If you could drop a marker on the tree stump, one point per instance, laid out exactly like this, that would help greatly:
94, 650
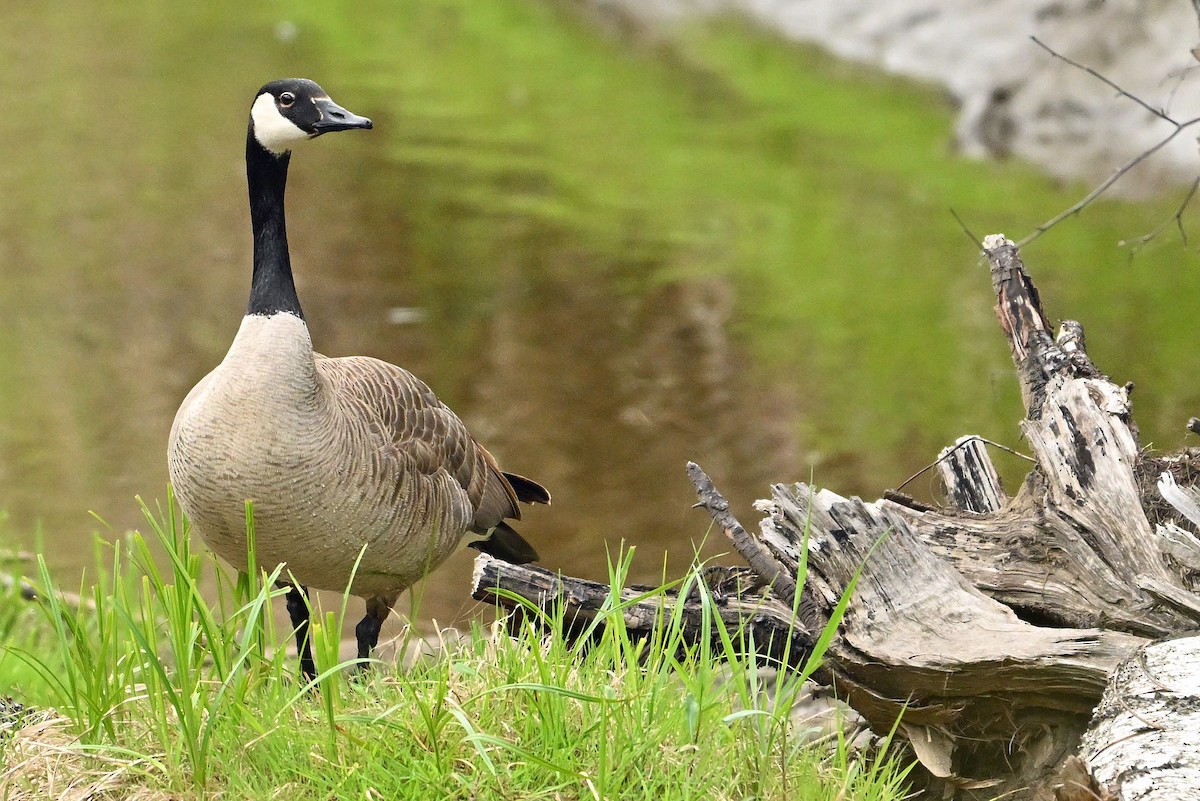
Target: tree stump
992, 627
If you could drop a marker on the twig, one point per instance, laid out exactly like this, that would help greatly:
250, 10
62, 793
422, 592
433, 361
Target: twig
1176, 218
753, 551
1127, 166
772, 629
1155, 111
1103, 187
950, 453
976, 241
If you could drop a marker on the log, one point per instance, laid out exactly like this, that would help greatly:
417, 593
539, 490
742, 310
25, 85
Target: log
992, 626
970, 478
764, 625
989, 702
1142, 744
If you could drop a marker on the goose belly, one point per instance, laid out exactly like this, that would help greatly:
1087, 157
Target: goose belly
316, 505
319, 538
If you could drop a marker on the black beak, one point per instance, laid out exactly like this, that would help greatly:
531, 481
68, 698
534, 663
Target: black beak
336, 118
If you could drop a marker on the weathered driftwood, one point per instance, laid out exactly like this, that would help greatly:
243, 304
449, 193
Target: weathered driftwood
762, 623
990, 703
1142, 744
996, 623
970, 478
992, 626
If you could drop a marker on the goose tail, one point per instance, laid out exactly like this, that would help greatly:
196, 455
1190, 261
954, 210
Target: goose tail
527, 490
505, 543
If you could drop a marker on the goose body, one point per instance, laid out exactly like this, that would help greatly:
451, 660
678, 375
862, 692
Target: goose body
340, 456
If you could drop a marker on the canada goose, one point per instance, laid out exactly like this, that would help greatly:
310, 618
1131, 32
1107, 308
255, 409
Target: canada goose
339, 456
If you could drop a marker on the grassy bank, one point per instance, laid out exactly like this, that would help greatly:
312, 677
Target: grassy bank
142, 688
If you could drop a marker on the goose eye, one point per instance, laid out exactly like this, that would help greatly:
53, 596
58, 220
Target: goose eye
287, 99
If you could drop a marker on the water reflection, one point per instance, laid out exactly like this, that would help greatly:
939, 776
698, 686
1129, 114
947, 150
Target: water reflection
599, 393
635, 262
125, 269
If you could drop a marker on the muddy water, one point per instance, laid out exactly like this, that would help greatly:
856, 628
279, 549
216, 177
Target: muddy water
124, 265
599, 370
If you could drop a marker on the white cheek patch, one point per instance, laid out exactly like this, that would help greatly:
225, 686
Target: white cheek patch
274, 131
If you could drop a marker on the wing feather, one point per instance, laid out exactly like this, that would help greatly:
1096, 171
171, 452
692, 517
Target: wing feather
416, 429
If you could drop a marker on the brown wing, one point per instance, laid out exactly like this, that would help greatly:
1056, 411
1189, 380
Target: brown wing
409, 417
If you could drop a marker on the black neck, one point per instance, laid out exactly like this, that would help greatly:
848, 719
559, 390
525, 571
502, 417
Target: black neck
272, 288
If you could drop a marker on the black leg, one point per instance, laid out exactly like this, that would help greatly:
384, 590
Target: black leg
298, 610
367, 630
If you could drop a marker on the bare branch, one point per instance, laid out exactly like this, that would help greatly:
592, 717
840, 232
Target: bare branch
950, 452
1156, 112
1103, 187
976, 241
1176, 218
1127, 166
755, 554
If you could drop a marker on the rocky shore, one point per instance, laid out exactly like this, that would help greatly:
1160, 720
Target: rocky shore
1015, 99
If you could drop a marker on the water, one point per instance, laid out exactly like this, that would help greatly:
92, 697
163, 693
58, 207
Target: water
607, 256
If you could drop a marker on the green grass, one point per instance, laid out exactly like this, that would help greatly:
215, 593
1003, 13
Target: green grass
166, 693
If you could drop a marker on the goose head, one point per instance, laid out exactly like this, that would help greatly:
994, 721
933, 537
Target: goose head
293, 110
